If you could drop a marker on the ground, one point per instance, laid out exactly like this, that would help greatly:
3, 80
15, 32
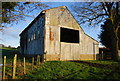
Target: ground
73, 70
85, 70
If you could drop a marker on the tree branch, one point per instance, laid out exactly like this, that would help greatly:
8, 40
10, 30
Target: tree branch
103, 5
97, 16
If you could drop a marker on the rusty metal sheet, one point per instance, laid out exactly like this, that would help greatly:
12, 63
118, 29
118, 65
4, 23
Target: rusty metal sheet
51, 34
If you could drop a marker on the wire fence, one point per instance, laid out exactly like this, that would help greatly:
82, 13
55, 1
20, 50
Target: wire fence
21, 65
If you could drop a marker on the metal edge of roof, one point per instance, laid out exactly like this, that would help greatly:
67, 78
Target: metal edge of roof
38, 17
91, 37
30, 24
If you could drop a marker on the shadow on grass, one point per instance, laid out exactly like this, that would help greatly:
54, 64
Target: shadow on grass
105, 66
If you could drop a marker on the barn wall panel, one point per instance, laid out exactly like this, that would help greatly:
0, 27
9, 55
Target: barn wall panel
35, 45
47, 40
65, 51
75, 51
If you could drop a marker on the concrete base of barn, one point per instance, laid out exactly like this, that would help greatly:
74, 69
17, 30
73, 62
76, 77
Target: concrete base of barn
87, 57
57, 57
50, 57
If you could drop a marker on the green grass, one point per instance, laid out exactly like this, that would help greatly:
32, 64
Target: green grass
70, 70
106, 62
8, 48
9, 53
64, 70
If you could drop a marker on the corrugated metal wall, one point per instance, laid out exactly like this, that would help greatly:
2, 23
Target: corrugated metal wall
61, 17
33, 38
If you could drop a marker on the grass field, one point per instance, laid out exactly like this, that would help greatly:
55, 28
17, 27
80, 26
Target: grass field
9, 53
102, 62
71, 70
85, 70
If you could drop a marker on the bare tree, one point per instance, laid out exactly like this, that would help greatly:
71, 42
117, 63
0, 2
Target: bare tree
13, 12
95, 13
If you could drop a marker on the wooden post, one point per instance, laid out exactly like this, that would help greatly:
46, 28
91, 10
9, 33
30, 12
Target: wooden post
14, 66
44, 56
32, 62
4, 67
38, 59
24, 66
102, 55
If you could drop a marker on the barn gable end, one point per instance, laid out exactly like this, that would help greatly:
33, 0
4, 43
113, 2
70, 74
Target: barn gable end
61, 16
56, 19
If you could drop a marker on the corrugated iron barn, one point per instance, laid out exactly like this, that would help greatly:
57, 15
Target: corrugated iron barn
57, 33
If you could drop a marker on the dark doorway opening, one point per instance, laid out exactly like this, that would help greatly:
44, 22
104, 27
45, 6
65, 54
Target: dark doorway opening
69, 35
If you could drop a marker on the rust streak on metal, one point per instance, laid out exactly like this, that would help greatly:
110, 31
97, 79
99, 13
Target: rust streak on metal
51, 35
